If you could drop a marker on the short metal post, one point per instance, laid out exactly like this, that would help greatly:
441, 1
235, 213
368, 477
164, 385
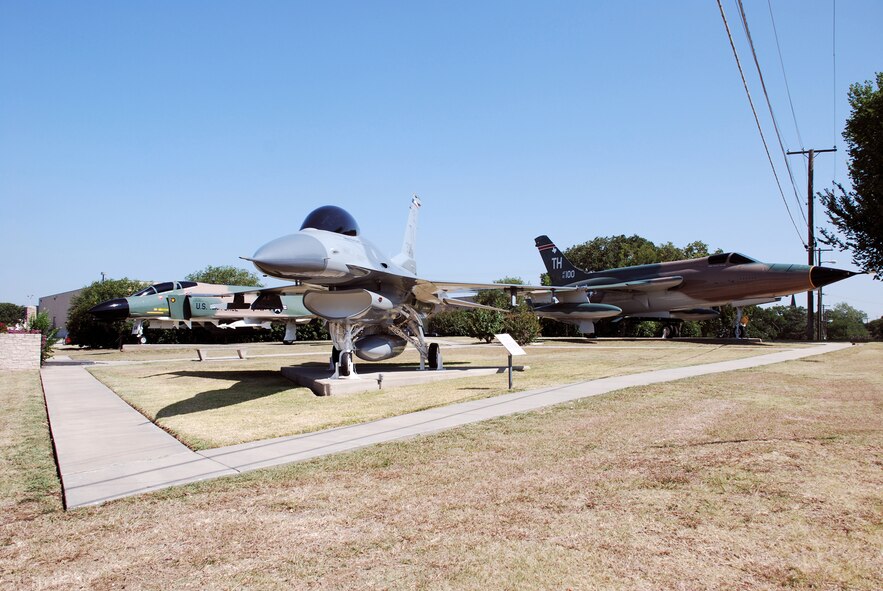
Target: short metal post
510, 371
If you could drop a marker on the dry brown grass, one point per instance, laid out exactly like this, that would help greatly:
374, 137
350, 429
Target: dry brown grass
29, 482
212, 404
761, 479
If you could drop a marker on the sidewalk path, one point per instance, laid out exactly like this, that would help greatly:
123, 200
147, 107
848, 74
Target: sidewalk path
107, 450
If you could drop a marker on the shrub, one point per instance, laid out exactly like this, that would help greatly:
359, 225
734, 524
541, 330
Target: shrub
450, 323
40, 323
522, 324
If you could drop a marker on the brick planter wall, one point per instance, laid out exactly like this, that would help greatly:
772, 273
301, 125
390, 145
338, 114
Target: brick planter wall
20, 351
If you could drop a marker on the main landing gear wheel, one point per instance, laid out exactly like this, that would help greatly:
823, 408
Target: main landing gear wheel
335, 357
142, 339
346, 364
435, 357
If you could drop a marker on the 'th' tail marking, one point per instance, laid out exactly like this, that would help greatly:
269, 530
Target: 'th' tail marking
561, 271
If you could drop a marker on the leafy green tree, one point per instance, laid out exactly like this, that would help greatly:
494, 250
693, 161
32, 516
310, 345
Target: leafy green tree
84, 329
612, 252
609, 252
225, 275
858, 215
553, 328
789, 322
11, 314
875, 329
845, 323
40, 321
314, 330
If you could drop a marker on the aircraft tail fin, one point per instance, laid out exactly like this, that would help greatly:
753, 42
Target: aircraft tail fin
561, 271
406, 258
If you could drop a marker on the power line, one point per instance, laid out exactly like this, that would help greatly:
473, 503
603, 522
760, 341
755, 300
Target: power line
833, 79
784, 76
757, 121
770, 107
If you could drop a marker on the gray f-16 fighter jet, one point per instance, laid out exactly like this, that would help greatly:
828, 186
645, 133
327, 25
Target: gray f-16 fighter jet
679, 290
182, 303
374, 305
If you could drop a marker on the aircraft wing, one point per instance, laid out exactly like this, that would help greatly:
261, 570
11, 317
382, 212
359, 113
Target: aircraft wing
652, 284
292, 289
436, 292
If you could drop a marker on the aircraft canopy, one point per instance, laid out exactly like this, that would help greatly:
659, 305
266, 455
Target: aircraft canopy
733, 258
331, 219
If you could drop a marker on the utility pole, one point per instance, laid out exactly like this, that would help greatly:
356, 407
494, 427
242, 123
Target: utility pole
820, 316
810, 236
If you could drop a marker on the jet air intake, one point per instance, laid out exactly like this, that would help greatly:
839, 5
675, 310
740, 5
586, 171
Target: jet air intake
349, 304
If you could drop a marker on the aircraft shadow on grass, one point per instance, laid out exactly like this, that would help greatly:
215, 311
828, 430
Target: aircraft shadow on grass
250, 385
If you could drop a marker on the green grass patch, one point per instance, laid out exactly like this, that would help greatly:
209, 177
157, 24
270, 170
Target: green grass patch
218, 403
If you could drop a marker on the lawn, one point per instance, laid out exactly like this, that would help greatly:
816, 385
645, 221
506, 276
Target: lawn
760, 479
217, 403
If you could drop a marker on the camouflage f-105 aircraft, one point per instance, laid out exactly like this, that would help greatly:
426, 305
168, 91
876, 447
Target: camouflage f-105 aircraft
173, 304
676, 290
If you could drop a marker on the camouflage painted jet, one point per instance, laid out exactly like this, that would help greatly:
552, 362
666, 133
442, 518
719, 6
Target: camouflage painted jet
374, 305
176, 303
676, 290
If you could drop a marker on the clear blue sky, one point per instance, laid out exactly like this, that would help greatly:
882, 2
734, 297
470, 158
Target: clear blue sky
150, 139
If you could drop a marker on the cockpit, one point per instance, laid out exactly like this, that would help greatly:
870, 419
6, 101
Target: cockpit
730, 258
331, 219
164, 287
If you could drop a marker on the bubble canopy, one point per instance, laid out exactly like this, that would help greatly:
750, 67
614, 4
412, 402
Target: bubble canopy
331, 219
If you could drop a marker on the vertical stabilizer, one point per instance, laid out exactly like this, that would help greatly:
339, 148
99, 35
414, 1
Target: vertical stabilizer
406, 259
561, 271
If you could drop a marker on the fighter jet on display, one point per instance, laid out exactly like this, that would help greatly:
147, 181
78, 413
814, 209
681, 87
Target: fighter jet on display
176, 303
374, 305
679, 290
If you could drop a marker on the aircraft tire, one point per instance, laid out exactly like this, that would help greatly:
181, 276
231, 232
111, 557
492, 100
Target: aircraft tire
346, 364
435, 357
142, 339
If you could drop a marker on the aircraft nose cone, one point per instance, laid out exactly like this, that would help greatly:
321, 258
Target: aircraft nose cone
821, 276
116, 309
294, 256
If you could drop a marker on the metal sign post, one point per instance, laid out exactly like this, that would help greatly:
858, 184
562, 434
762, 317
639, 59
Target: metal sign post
512, 348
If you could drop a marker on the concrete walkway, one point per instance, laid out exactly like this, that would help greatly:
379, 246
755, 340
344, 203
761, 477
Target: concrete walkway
107, 450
